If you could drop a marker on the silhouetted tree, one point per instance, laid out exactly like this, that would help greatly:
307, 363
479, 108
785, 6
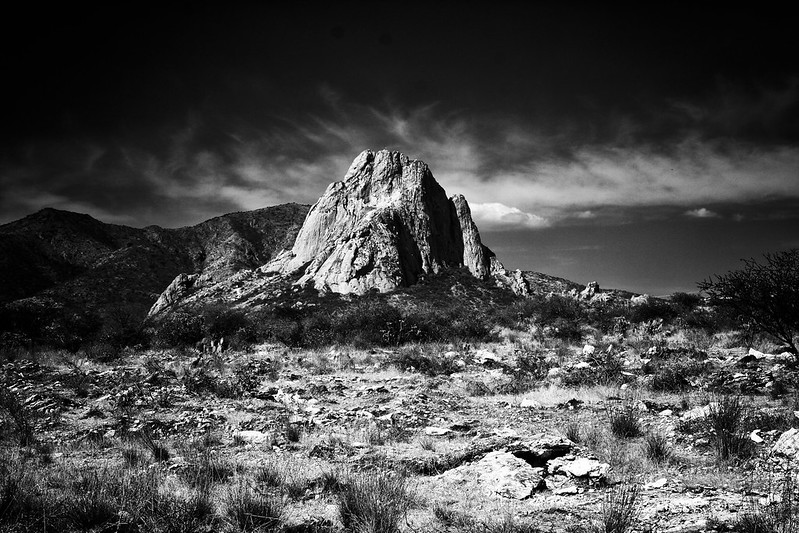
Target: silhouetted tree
765, 296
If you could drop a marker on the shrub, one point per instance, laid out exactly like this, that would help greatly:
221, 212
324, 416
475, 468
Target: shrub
22, 419
251, 510
178, 329
671, 376
94, 499
330, 482
653, 309
204, 468
619, 510
725, 420
373, 502
572, 432
156, 449
508, 524
764, 295
623, 418
427, 443
533, 365
657, 447
21, 502
780, 514
685, 302
292, 432
418, 358
219, 320
170, 513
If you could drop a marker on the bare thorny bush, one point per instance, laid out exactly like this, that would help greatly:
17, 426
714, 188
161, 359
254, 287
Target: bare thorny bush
778, 512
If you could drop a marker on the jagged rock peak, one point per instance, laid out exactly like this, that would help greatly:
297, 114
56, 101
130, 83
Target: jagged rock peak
387, 223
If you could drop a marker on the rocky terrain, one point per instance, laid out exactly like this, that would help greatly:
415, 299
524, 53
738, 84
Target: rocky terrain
511, 434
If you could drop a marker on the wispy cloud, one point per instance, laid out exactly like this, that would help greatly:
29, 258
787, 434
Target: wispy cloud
513, 174
702, 212
500, 216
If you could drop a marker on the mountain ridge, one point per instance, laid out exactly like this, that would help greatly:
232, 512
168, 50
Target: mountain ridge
77, 260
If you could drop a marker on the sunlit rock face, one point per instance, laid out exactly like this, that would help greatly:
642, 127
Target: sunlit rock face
385, 225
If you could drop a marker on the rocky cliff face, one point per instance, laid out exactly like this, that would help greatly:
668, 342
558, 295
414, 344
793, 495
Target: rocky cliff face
385, 225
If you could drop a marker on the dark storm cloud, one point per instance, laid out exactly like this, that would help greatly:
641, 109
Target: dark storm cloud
540, 116
516, 175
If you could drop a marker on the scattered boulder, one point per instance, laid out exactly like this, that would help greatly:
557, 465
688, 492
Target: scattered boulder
484, 357
542, 448
529, 403
590, 290
579, 467
787, 445
521, 468
507, 475
253, 437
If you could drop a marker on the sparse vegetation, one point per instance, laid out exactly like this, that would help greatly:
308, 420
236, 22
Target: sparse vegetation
620, 510
253, 438
657, 447
15, 419
373, 502
725, 420
250, 510
764, 296
623, 417
572, 432
777, 513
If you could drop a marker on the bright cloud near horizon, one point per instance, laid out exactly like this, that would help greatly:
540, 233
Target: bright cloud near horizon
572, 143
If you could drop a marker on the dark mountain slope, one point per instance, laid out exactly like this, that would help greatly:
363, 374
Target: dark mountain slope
83, 263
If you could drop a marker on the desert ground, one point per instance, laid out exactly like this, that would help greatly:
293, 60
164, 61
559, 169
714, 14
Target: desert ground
652, 429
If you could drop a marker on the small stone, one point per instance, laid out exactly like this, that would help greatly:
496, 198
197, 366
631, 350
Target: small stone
566, 491
584, 467
755, 437
657, 484
529, 403
434, 431
252, 436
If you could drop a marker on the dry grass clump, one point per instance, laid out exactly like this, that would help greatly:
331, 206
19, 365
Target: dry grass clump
572, 432
22, 421
455, 521
657, 448
779, 513
427, 443
623, 419
620, 510
282, 476
204, 468
373, 502
725, 420
249, 509
101, 499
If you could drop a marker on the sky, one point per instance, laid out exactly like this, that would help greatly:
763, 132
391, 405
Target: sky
645, 148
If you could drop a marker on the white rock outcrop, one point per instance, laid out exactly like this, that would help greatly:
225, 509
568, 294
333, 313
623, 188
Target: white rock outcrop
384, 226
